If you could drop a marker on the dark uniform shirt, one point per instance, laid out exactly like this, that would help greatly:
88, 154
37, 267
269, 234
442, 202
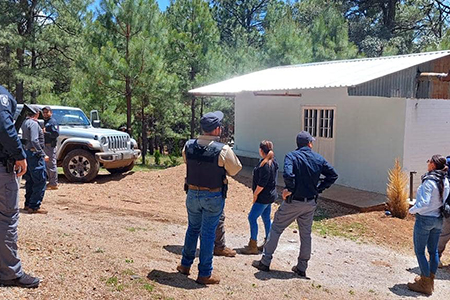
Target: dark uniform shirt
51, 131
266, 177
10, 145
34, 136
302, 170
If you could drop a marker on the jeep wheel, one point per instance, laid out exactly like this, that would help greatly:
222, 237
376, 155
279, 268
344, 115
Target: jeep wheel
122, 169
80, 165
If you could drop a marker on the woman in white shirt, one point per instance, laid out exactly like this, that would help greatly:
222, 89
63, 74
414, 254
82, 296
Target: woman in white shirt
427, 228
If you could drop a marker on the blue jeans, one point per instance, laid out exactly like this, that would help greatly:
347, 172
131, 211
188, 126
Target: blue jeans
204, 210
36, 180
263, 210
426, 234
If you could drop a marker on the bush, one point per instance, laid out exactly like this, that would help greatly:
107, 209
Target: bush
157, 157
173, 161
397, 192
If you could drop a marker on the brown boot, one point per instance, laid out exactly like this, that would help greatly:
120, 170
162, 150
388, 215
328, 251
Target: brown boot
212, 279
183, 270
261, 248
227, 252
251, 248
432, 276
423, 285
37, 211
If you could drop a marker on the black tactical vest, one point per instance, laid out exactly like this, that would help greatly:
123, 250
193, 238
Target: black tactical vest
202, 164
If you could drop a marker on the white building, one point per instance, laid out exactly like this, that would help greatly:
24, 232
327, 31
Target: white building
364, 113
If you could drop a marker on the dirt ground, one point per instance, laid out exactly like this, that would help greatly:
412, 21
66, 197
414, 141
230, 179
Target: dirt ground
121, 236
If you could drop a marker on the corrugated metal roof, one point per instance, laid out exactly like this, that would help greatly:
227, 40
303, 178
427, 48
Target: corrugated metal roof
340, 73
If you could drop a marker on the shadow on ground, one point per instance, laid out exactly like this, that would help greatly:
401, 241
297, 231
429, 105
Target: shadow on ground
441, 274
274, 274
401, 289
174, 279
100, 179
177, 249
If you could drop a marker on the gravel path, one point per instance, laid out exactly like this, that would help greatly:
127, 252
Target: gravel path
122, 240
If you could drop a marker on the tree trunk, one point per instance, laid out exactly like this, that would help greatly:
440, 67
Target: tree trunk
128, 91
144, 136
19, 83
34, 93
192, 116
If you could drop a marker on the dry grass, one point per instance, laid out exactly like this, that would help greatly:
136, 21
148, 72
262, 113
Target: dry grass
397, 191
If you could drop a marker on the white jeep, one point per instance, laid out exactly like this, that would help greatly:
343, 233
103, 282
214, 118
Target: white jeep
82, 147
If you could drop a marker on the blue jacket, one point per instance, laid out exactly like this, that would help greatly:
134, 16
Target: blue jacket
302, 170
10, 145
51, 131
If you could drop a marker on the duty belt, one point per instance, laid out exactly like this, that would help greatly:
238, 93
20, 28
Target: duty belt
201, 188
305, 199
31, 149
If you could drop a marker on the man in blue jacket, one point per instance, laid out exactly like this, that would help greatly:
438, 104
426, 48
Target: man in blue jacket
302, 170
12, 165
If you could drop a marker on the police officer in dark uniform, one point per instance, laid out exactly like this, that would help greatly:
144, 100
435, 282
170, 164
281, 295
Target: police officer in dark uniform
302, 170
51, 133
36, 175
208, 162
12, 165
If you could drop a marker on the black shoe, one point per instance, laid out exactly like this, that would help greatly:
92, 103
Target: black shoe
260, 266
25, 281
299, 273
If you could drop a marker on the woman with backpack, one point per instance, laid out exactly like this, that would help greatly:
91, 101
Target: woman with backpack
430, 197
264, 194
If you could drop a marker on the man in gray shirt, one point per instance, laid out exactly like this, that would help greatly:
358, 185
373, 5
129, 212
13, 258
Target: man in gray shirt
36, 175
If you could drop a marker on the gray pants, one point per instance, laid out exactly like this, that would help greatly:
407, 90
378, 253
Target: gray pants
219, 242
52, 170
10, 266
444, 237
303, 212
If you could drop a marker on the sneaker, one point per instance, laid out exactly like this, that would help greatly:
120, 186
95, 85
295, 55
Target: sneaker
212, 279
227, 252
183, 270
298, 272
52, 187
25, 281
37, 211
260, 266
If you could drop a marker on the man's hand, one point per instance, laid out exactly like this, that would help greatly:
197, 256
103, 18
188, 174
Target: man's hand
20, 167
255, 197
285, 194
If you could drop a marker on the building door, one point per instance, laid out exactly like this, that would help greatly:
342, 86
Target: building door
319, 122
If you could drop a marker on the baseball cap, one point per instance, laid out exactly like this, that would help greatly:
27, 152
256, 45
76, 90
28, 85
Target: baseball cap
47, 108
35, 109
303, 138
211, 121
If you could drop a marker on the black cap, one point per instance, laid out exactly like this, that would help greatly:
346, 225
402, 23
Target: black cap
211, 121
47, 108
35, 109
304, 138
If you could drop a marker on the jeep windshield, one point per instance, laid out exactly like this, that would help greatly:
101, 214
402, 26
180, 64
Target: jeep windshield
70, 117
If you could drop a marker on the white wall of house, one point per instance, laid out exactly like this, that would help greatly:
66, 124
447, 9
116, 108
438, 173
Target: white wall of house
368, 131
427, 133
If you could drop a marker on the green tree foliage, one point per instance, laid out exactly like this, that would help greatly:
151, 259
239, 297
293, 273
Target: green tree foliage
286, 43
193, 48
38, 40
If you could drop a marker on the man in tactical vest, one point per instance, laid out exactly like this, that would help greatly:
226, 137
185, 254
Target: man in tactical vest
12, 165
208, 162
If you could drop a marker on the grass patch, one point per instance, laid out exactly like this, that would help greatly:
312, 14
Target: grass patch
329, 227
166, 161
148, 287
112, 281
99, 250
134, 229
129, 260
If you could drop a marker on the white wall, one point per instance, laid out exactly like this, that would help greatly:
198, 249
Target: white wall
427, 133
369, 131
